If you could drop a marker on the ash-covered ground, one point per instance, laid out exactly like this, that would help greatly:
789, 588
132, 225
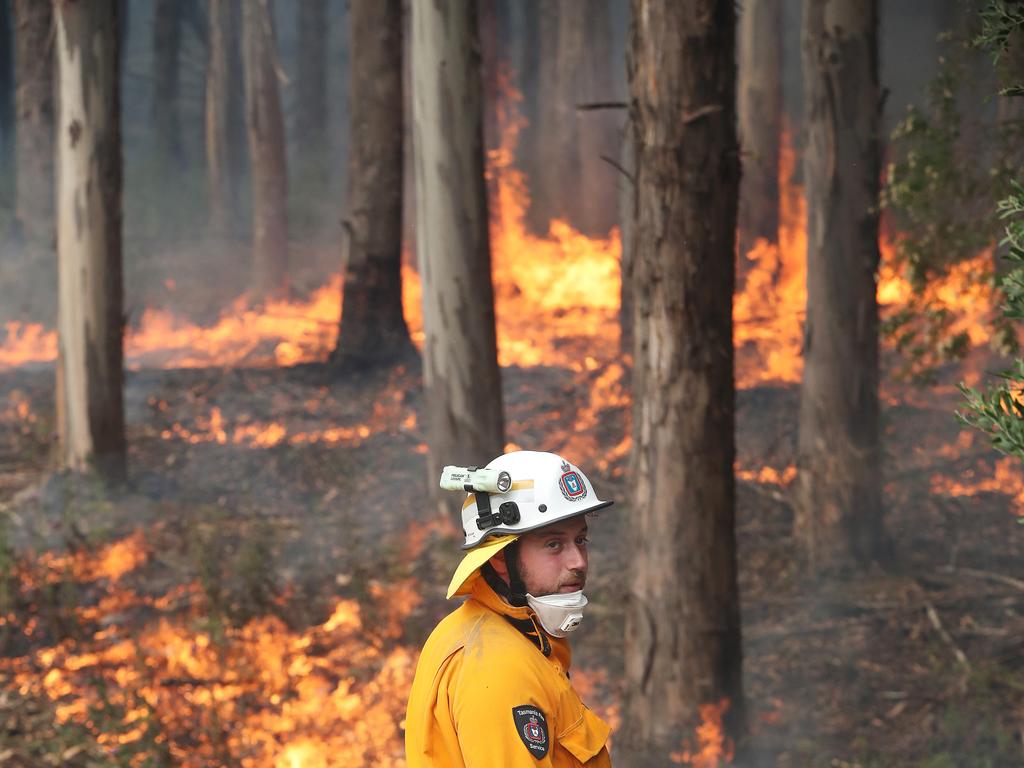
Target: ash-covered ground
283, 491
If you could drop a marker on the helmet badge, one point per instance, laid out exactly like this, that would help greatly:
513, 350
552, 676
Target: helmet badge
571, 484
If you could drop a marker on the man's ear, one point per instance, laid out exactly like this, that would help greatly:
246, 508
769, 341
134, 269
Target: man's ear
499, 565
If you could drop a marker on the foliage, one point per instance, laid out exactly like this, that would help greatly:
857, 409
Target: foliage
999, 410
941, 195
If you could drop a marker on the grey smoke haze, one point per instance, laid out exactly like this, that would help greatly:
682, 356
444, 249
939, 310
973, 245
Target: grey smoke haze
164, 221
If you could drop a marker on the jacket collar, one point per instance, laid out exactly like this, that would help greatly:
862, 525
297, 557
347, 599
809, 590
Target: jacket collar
523, 619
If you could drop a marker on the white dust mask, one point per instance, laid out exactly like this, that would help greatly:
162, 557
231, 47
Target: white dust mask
559, 613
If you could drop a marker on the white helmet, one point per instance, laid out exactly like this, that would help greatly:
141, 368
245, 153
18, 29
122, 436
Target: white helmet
544, 488
539, 489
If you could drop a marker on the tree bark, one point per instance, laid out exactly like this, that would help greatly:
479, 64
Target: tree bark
6, 84
461, 375
266, 151
570, 180
838, 516
311, 82
759, 87
373, 329
33, 69
683, 645
166, 122
627, 217
592, 197
224, 116
524, 58
90, 410
545, 165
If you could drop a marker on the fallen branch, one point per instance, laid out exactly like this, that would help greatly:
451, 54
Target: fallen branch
933, 617
988, 576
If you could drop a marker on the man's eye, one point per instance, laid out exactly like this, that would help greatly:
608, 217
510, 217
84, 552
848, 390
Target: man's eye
582, 541
555, 545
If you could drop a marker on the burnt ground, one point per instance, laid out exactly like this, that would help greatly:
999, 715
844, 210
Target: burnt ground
918, 665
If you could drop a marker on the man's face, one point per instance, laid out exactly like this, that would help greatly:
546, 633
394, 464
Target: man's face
551, 559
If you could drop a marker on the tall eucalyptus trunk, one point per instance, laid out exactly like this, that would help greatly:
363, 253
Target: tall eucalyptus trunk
759, 107
838, 506
311, 82
90, 403
33, 150
225, 152
373, 329
265, 126
461, 375
6, 84
683, 644
165, 106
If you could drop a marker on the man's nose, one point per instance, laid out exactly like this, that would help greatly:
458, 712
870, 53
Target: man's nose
577, 558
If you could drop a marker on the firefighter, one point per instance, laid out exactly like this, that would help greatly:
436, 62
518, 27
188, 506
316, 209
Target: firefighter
492, 684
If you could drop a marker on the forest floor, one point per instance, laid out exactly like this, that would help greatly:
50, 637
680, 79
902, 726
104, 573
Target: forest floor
274, 495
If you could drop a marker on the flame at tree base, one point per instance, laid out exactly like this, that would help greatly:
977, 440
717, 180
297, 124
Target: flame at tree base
713, 749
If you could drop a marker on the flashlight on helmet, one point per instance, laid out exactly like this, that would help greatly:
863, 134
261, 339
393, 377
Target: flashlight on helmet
473, 480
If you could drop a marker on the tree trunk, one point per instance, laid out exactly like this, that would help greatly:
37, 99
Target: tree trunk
490, 61
33, 71
461, 375
592, 198
759, 87
683, 648
90, 410
373, 329
627, 217
524, 59
838, 514
311, 82
571, 181
224, 116
166, 123
6, 86
545, 163
266, 151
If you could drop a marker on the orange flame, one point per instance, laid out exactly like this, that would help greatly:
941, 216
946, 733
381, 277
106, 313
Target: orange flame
713, 748
262, 693
1006, 478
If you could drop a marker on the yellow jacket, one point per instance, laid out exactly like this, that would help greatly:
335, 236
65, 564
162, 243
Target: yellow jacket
485, 695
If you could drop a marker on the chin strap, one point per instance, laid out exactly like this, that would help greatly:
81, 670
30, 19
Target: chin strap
515, 594
515, 591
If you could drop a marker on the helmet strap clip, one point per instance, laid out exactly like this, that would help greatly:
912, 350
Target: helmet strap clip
507, 514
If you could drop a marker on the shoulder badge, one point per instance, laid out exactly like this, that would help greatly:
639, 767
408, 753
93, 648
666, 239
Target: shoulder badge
532, 727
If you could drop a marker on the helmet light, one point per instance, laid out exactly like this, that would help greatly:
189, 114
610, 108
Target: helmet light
475, 480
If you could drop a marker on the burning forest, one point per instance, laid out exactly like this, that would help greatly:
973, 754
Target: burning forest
253, 581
